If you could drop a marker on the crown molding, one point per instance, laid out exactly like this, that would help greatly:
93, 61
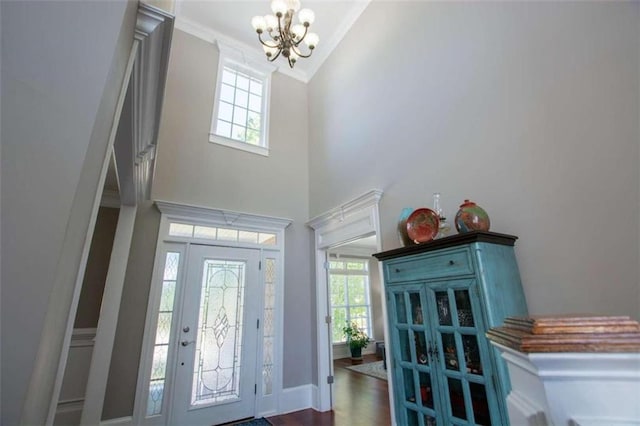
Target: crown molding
368, 199
250, 52
221, 216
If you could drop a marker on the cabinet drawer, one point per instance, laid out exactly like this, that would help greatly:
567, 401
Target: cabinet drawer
443, 264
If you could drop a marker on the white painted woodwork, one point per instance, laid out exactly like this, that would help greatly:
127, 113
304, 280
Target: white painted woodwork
42, 397
183, 412
581, 389
71, 398
348, 222
108, 321
135, 150
198, 215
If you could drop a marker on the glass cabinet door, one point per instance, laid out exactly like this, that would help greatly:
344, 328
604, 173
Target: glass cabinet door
416, 390
465, 376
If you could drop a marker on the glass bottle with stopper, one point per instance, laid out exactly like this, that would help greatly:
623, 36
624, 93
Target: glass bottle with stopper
444, 229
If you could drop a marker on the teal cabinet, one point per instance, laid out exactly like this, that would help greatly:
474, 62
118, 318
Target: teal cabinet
442, 297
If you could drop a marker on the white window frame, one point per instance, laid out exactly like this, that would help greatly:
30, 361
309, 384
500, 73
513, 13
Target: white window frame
236, 59
348, 272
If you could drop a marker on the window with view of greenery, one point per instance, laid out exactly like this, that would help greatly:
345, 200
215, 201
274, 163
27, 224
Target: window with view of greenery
350, 301
240, 116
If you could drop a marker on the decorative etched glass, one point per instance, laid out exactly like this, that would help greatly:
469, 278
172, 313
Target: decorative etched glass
216, 373
163, 333
269, 326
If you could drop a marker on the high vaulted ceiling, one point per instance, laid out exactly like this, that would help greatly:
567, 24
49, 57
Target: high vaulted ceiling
230, 21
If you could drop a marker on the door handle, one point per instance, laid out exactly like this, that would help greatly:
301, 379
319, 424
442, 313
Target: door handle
187, 342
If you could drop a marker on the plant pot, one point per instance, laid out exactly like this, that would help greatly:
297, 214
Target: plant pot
356, 355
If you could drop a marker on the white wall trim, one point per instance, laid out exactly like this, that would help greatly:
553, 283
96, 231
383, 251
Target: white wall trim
120, 421
368, 199
197, 215
221, 216
108, 321
211, 36
83, 337
320, 55
352, 220
296, 399
110, 198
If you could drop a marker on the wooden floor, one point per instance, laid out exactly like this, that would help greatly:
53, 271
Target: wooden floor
358, 400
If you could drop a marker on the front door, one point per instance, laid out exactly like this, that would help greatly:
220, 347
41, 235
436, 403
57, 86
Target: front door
218, 335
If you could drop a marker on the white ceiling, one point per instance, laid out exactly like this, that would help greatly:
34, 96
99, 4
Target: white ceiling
230, 21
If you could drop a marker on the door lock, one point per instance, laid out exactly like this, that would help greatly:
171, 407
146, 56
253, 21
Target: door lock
186, 329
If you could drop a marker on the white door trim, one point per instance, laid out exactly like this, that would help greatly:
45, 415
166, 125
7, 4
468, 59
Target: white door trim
350, 221
197, 215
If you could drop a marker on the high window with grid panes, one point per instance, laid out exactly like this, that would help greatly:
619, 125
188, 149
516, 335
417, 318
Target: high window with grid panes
240, 115
350, 301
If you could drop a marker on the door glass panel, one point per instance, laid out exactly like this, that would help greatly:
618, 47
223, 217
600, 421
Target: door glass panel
405, 349
269, 330
421, 348
471, 354
463, 303
217, 363
480, 405
444, 311
163, 332
416, 308
450, 352
456, 399
426, 395
429, 421
412, 417
401, 309
409, 389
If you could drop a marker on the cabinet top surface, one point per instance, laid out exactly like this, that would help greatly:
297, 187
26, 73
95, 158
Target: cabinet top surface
452, 241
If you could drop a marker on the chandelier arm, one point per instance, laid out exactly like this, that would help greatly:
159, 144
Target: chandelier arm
265, 43
299, 53
275, 57
306, 30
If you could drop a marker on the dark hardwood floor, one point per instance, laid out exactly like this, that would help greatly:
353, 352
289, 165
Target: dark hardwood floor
358, 400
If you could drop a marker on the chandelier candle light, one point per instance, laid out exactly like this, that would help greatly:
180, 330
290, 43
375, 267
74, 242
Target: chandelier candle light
286, 36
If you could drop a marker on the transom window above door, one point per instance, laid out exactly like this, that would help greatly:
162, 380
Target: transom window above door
241, 110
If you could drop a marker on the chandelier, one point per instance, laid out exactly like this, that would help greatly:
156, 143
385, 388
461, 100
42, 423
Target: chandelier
285, 36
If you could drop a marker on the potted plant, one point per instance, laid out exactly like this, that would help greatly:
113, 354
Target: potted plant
356, 339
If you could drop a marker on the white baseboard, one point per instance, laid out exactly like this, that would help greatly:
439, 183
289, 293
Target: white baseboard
296, 399
120, 421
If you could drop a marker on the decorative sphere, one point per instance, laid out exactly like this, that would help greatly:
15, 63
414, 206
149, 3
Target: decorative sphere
471, 217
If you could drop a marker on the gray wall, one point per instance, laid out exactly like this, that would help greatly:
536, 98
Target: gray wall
191, 170
97, 267
529, 109
125, 357
62, 68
